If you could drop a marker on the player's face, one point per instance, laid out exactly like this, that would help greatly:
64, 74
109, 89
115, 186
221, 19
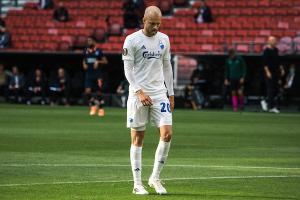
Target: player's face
152, 24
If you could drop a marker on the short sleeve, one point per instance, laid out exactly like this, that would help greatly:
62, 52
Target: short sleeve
128, 49
167, 54
99, 53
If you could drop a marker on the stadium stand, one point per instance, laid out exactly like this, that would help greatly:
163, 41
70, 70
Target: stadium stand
241, 24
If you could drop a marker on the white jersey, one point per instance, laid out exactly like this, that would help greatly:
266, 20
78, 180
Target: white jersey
148, 54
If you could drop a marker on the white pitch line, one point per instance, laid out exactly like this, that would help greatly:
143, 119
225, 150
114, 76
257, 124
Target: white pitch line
166, 179
127, 165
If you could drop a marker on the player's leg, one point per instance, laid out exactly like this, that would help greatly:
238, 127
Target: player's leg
100, 100
137, 118
162, 116
234, 99
241, 98
137, 140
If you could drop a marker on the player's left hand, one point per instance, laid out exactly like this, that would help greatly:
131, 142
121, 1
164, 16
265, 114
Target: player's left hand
172, 102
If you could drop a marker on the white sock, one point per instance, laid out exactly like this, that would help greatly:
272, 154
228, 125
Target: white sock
161, 156
136, 164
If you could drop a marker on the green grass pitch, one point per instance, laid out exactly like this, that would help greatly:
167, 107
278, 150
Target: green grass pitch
62, 153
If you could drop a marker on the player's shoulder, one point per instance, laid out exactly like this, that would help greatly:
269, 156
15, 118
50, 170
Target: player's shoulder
135, 35
162, 35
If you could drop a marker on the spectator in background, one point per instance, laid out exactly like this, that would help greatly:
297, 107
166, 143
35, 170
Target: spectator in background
3, 82
4, 38
61, 14
123, 91
16, 84
287, 85
36, 87
130, 17
195, 91
204, 14
235, 73
46, 4
140, 7
272, 72
60, 87
93, 59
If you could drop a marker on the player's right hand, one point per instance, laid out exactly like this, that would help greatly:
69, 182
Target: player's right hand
145, 99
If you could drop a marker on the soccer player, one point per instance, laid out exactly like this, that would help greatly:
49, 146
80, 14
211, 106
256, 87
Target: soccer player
147, 66
235, 72
93, 59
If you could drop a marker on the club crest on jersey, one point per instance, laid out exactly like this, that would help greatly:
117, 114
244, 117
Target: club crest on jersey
149, 55
161, 45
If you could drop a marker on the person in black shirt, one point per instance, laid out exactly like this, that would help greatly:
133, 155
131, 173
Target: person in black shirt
93, 59
272, 72
36, 86
60, 86
61, 14
5, 38
204, 14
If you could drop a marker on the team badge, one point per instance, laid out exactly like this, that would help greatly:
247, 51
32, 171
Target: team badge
125, 52
161, 45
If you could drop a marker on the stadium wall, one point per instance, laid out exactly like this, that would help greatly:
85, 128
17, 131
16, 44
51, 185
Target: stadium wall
114, 70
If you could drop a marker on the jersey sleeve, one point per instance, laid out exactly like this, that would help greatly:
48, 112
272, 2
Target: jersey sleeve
128, 49
99, 54
167, 54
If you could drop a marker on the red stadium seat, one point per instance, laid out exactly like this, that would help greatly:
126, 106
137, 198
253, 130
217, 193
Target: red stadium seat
115, 29
100, 34
242, 48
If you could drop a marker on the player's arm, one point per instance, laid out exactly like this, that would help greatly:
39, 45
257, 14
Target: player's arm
129, 74
101, 61
244, 70
168, 76
226, 73
266, 67
85, 66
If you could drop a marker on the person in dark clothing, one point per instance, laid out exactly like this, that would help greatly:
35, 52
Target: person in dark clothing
235, 73
287, 85
123, 91
93, 59
36, 87
131, 14
204, 14
272, 72
4, 38
3, 82
16, 84
60, 87
61, 14
46, 4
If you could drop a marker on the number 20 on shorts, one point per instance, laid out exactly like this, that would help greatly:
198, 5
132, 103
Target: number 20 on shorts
165, 107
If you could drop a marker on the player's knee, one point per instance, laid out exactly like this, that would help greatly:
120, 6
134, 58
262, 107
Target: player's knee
138, 140
167, 136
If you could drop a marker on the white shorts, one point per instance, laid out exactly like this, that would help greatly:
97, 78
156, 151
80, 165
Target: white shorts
138, 115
